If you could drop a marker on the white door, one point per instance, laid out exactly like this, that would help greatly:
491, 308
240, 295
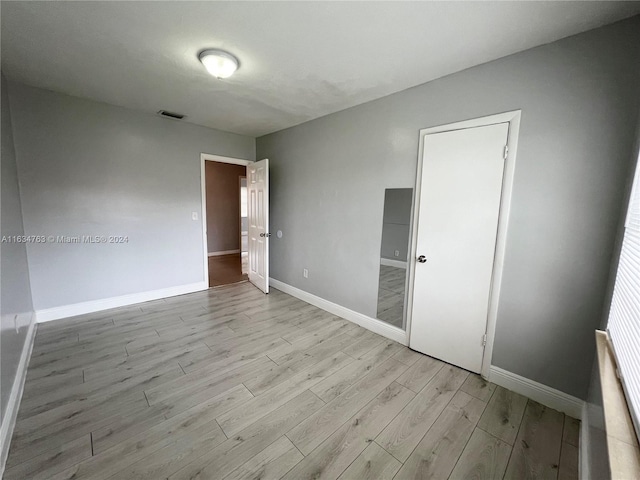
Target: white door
258, 218
459, 205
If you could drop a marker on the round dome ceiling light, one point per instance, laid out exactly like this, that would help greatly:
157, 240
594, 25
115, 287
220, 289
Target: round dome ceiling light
219, 63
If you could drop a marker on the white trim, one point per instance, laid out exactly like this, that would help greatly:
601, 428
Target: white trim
513, 118
55, 313
548, 396
388, 262
11, 413
203, 199
222, 252
373, 324
223, 159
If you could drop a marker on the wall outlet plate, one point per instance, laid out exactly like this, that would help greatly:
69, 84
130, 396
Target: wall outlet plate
305, 273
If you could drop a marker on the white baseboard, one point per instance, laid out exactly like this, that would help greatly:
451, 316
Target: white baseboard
543, 394
373, 324
55, 313
547, 396
223, 252
393, 263
11, 413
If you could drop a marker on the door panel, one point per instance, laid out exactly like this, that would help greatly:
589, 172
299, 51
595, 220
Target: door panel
459, 206
258, 218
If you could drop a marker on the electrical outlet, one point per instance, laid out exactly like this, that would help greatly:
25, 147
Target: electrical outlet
194, 215
305, 273
396, 253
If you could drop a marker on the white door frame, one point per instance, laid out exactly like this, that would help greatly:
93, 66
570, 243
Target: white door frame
212, 158
513, 118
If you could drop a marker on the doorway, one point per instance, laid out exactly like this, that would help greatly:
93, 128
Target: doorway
462, 203
235, 219
224, 217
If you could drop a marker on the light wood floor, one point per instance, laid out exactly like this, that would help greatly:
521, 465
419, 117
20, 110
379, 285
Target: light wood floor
233, 384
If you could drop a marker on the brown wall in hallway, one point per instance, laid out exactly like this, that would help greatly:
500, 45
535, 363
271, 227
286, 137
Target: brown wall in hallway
223, 205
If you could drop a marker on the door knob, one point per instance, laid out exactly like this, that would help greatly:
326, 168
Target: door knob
422, 259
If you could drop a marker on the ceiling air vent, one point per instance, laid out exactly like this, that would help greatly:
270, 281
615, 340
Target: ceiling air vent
175, 116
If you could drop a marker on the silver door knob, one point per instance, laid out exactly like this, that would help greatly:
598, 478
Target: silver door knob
422, 259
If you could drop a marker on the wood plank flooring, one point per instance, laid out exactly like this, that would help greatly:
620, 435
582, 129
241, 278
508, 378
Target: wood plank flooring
228, 269
233, 384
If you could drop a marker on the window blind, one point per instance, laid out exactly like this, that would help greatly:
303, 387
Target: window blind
624, 315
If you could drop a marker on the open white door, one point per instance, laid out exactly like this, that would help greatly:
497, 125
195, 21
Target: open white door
258, 193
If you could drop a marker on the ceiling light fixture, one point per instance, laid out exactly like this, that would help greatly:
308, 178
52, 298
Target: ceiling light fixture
219, 63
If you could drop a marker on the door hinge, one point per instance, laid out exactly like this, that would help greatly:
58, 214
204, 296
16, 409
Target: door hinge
505, 152
484, 340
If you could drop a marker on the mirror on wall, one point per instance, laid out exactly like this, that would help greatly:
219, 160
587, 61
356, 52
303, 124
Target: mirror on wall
394, 252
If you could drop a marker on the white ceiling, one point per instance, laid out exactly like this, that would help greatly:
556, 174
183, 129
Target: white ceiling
299, 60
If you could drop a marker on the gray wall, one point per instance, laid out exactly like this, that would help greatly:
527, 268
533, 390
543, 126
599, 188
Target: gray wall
579, 98
396, 221
595, 459
88, 168
15, 298
223, 205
